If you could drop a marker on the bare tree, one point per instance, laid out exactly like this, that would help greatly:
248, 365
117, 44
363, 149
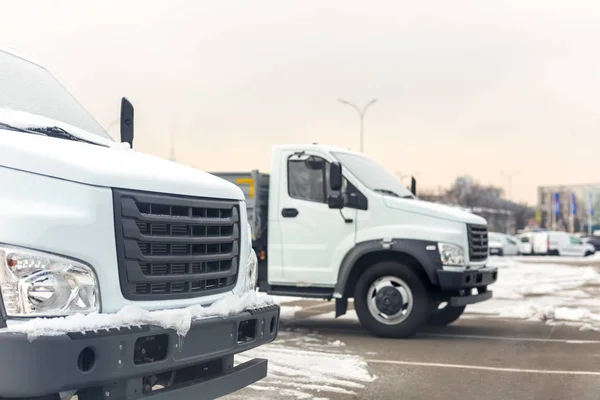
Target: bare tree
466, 192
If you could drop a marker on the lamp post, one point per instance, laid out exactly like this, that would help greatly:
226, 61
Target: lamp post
401, 176
112, 124
361, 114
509, 176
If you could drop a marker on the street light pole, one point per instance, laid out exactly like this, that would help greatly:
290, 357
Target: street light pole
112, 124
401, 176
361, 114
509, 176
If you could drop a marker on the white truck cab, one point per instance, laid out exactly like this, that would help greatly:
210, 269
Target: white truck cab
332, 223
131, 272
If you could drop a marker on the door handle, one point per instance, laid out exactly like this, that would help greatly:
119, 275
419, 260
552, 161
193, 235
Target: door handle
289, 212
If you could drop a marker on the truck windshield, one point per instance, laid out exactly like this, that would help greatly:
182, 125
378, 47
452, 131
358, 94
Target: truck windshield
372, 175
29, 88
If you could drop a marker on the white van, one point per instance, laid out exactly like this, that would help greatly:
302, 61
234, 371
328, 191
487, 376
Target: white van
525, 243
560, 244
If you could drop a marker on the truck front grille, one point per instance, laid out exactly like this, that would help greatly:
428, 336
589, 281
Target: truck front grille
175, 247
478, 242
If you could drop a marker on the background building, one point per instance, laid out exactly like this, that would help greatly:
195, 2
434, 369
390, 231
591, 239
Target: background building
569, 207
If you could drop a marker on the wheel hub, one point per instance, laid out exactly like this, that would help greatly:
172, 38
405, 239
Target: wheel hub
389, 300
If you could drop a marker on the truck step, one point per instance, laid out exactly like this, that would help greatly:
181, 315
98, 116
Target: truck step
295, 291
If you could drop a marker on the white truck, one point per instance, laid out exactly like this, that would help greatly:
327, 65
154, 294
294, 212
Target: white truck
122, 276
322, 232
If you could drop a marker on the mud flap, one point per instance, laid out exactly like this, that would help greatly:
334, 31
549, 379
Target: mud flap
341, 306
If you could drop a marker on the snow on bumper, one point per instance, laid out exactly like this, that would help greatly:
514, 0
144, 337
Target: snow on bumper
178, 320
70, 356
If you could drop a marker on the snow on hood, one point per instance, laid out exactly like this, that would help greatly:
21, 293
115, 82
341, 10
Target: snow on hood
116, 166
179, 320
433, 209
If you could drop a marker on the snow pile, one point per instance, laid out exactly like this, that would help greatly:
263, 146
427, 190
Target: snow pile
551, 292
306, 362
517, 280
177, 319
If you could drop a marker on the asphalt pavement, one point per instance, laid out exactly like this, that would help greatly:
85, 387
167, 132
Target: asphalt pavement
475, 358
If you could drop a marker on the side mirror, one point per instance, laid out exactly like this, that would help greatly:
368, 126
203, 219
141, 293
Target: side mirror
413, 186
126, 121
336, 201
335, 176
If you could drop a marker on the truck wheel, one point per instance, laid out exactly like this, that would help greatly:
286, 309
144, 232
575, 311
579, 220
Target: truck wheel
445, 316
390, 300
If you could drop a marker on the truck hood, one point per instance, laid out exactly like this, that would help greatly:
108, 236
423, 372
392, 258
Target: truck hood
115, 166
433, 210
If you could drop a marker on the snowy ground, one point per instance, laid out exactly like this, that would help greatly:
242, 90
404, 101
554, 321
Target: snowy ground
552, 292
304, 364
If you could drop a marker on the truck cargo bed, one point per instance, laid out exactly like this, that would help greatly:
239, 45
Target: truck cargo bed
255, 186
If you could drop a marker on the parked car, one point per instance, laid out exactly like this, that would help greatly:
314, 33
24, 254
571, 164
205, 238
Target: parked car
593, 240
560, 244
525, 243
501, 244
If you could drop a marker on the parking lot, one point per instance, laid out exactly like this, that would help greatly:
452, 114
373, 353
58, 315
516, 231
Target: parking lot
536, 339
494, 359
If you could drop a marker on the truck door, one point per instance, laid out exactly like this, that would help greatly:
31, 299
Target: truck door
313, 235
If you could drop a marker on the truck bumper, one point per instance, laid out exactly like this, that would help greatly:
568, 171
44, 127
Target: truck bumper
464, 281
126, 362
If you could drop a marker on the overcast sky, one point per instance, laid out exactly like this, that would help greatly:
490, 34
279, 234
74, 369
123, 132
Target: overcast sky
463, 87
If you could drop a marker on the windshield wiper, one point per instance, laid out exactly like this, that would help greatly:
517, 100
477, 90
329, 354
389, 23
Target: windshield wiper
386, 191
12, 128
51, 131
60, 133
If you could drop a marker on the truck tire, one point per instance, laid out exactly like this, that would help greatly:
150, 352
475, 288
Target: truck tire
445, 316
391, 300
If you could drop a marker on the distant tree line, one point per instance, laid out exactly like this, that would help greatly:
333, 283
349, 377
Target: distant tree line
468, 193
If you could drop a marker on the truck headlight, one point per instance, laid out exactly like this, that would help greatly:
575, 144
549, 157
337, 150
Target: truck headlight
451, 254
251, 267
34, 283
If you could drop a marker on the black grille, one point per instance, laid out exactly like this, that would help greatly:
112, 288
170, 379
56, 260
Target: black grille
478, 242
174, 247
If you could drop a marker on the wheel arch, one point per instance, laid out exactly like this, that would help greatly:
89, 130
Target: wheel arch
419, 255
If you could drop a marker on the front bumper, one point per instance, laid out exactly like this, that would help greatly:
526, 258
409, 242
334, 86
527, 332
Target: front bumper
463, 282
203, 360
